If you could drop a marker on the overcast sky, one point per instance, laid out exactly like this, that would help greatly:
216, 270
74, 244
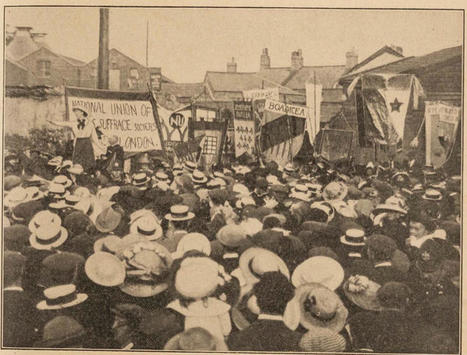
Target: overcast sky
187, 42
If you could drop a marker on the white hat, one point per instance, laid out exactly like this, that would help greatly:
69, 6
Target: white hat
197, 277
16, 196
59, 297
319, 269
76, 169
353, 237
198, 177
44, 218
179, 213
147, 227
105, 269
48, 236
62, 180
432, 195
192, 241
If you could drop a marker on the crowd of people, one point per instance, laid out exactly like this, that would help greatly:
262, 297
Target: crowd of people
245, 257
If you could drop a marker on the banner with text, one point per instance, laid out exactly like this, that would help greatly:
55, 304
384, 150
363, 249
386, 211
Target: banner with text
126, 115
261, 94
244, 128
441, 124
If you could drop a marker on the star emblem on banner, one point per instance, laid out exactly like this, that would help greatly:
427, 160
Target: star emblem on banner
396, 105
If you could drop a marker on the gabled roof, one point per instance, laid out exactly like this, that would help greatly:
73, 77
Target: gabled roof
15, 63
327, 75
20, 47
385, 49
411, 64
71, 61
183, 90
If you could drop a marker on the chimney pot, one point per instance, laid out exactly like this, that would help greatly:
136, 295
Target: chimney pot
351, 59
296, 60
265, 60
232, 66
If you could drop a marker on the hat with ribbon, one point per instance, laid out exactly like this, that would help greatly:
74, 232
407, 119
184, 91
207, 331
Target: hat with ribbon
140, 179
335, 191
105, 269
179, 213
55, 161
256, 261
189, 165
301, 192
147, 226
319, 269
62, 180
198, 177
320, 308
432, 195
48, 236
289, 168
60, 297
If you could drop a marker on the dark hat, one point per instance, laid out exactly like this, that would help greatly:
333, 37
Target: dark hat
273, 292
279, 189
108, 220
11, 181
231, 235
16, 237
76, 223
268, 239
430, 256
218, 196
61, 332
261, 183
24, 212
394, 295
13, 266
381, 245
160, 325
61, 268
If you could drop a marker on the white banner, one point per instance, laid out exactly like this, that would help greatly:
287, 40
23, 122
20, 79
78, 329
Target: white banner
313, 102
130, 119
261, 94
286, 109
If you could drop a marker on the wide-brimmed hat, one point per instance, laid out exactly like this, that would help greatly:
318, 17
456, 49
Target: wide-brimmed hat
326, 207
385, 207
231, 235
320, 308
72, 201
108, 244
179, 213
147, 268
198, 177
60, 297
256, 261
34, 193
363, 292
61, 331
105, 269
432, 195
140, 179
192, 241
335, 191
16, 196
44, 218
161, 176
301, 192
189, 165
62, 180
353, 237
147, 226
319, 269
55, 161
57, 191
195, 339
76, 169
107, 220
197, 277
11, 181
48, 236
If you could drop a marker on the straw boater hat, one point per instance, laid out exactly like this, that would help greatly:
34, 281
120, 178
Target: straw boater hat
55, 161
385, 207
290, 169
198, 277
57, 191
353, 237
320, 308
60, 297
62, 180
179, 213
256, 261
48, 236
161, 176
147, 268
432, 195
198, 177
105, 269
76, 169
319, 269
44, 218
177, 169
147, 226
335, 191
190, 166
16, 196
363, 292
301, 192
140, 180
72, 201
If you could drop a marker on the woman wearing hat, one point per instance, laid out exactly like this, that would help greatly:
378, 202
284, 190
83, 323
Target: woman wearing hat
85, 136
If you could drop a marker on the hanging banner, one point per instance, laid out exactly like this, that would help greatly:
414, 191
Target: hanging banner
244, 128
213, 139
335, 144
441, 124
313, 102
261, 94
174, 125
126, 115
282, 132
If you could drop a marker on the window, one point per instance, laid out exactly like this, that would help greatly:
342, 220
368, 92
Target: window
210, 145
43, 68
134, 73
155, 79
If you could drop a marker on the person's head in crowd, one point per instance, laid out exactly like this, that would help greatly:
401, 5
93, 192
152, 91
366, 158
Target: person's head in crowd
157, 326
273, 292
179, 217
127, 319
62, 332
394, 296
420, 225
195, 339
16, 237
380, 248
14, 264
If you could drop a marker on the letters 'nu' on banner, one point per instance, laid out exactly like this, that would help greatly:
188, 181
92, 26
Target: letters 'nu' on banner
127, 115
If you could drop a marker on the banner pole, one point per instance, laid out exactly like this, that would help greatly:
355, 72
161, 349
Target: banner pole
157, 121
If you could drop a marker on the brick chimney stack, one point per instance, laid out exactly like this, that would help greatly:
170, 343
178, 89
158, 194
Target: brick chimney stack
265, 62
351, 59
296, 59
232, 66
